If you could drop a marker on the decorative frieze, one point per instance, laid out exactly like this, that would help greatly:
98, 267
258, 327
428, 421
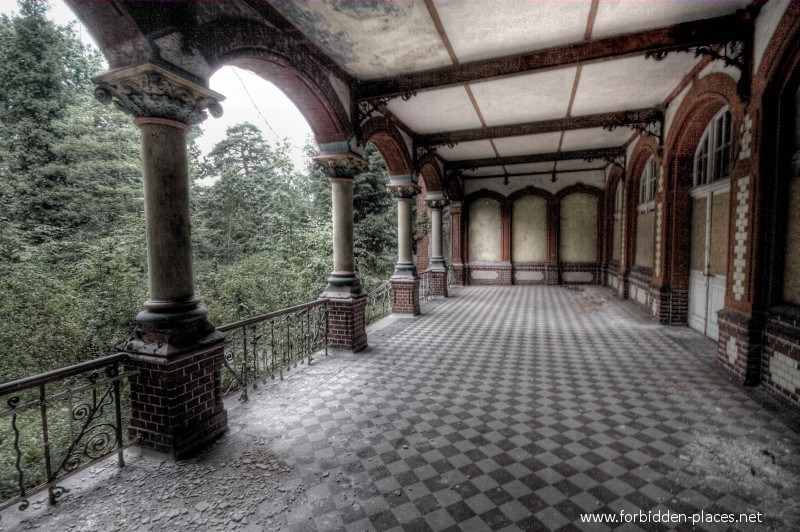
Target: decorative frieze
745, 130
148, 90
657, 261
740, 237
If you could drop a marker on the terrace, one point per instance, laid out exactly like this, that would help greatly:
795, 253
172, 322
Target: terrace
499, 408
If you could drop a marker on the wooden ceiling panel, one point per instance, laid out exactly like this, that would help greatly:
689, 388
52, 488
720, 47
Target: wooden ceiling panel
481, 30
629, 83
432, 111
528, 98
584, 139
615, 18
542, 143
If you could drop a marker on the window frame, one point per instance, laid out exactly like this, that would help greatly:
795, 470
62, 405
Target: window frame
647, 185
714, 152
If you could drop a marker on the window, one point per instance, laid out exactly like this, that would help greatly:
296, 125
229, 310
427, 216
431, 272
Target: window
712, 159
618, 199
647, 184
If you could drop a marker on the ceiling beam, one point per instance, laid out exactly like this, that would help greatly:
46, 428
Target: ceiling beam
528, 174
598, 153
614, 119
679, 36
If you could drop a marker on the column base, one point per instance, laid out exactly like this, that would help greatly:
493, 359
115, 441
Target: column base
405, 296
739, 345
168, 334
438, 282
346, 329
404, 271
176, 402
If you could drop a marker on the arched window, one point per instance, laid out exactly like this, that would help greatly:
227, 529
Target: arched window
712, 159
647, 183
618, 199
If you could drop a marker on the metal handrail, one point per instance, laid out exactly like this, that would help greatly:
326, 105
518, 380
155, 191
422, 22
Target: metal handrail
379, 303
76, 413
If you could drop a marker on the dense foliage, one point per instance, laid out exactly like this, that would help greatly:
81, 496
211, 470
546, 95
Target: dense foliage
72, 251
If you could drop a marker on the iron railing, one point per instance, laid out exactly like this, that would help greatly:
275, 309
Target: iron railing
259, 348
60, 423
424, 286
449, 279
379, 304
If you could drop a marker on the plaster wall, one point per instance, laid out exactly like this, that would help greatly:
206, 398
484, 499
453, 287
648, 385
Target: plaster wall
529, 230
791, 270
645, 231
484, 230
578, 238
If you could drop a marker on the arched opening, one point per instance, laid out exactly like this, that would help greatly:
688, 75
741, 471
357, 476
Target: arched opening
577, 239
708, 257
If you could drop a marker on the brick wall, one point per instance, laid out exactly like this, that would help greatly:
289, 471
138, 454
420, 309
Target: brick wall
176, 403
439, 283
739, 346
780, 361
580, 273
532, 272
489, 274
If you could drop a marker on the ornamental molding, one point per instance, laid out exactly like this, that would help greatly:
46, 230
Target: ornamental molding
437, 203
342, 165
148, 90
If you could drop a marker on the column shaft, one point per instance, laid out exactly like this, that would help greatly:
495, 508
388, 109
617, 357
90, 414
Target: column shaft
166, 200
342, 208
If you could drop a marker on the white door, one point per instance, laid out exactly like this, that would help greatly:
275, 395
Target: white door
708, 261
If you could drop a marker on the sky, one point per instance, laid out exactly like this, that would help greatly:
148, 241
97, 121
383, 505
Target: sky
248, 98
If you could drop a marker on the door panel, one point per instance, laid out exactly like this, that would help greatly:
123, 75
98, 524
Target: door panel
697, 300
716, 300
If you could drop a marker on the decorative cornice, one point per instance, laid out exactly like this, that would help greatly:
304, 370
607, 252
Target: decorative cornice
148, 90
404, 191
342, 165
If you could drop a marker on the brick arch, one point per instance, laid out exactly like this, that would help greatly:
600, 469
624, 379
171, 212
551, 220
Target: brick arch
646, 147
387, 138
615, 180
704, 100
430, 174
578, 187
774, 86
275, 56
530, 191
505, 217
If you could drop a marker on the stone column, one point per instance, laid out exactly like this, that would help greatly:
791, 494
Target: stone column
405, 283
176, 397
347, 299
438, 268
456, 243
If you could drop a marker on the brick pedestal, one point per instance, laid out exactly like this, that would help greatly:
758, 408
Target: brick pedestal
780, 362
458, 274
739, 345
346, 328
405, 296
176, 402
438, 283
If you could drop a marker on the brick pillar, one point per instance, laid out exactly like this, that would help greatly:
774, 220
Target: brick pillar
438, 268
405, 283
456, 243
176, 398
346, 296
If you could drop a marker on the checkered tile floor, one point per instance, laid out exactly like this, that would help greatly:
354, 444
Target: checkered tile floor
501, 408
520, 408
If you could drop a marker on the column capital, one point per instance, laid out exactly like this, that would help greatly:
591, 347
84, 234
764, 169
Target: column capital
436, 203
150, 91
345, 165
403, 190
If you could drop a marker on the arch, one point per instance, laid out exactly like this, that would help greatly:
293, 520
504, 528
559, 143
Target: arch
530, 191
430, 173
704, 100
387, 138
612, 231
560, 197
275, 56
645, 148
777, 80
